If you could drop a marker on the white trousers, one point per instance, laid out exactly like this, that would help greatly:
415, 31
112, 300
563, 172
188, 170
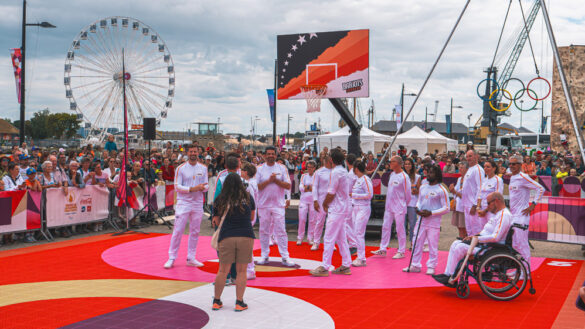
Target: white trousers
430, 235
360, 216
319, 222
304, 210
273, 217
350, 230
335, 233
390, 217
520, 238
184, 215
456, 253
472, 222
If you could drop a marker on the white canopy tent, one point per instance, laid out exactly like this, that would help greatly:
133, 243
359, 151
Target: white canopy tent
452, 144
370, 141
418, 139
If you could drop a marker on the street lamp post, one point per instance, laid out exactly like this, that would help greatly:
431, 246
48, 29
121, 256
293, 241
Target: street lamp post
290, 117
451, 117
23, 66
402, 94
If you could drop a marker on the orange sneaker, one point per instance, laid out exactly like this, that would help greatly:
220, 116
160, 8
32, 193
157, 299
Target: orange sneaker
217, 304
240, 306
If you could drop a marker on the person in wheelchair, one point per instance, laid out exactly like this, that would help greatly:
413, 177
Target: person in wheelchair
495, 230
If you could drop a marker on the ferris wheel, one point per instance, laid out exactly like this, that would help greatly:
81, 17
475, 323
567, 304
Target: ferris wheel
93, 75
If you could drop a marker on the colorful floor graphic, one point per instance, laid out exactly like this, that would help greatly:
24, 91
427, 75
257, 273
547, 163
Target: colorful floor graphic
119, 282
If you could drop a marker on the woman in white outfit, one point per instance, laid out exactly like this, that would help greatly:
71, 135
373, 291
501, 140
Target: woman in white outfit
361, 196
492, 183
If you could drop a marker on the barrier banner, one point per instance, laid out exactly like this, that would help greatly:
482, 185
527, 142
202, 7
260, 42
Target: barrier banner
20, 211
559, 219
170, 196
79, 205
161, 196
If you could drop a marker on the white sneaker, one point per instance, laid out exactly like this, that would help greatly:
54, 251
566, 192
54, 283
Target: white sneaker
398, 255
299, 242
358, 263
169, 263
263, 261
287, 262
194, 262
379, 252
315, 246
430, 271
412, 269
251, 275
426, 248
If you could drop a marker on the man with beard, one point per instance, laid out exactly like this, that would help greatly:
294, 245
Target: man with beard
191, 183
273, 181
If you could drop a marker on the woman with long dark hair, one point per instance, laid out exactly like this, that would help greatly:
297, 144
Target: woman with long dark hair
415, 182
236, 237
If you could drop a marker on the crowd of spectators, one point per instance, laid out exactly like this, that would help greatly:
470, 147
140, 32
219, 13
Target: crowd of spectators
37, 169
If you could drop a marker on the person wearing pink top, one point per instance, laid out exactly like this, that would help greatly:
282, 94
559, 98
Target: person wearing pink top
273, 180
397, 199
336, 203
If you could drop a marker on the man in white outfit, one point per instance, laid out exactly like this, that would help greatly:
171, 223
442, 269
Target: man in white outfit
336, 204
397, 198
273, 181
349, 228
520, 206
321, 180
472, 183
191, 183
495, 231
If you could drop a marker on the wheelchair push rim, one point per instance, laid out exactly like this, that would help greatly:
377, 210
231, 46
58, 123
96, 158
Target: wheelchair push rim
502, 276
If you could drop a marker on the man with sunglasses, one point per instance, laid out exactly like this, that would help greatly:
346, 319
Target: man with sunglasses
520, 186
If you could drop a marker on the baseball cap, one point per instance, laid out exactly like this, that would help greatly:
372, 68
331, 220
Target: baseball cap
208, 157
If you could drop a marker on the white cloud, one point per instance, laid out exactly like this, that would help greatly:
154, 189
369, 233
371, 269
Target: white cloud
224, 52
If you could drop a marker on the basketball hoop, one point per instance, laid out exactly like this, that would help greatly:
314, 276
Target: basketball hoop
313, 95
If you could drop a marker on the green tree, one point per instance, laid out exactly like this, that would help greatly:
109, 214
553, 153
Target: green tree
63, 125
39, 124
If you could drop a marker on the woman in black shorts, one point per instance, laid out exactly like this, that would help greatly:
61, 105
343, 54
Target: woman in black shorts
236, 237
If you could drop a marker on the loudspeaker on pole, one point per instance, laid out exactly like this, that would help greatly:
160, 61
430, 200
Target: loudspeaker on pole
149, 128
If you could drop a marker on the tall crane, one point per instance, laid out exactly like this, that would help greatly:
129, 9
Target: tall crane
489, 122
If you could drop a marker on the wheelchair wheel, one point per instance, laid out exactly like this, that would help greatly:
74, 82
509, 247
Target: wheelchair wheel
462, 290
502, 276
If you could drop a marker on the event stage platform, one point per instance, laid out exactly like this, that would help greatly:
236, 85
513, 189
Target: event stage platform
119, 282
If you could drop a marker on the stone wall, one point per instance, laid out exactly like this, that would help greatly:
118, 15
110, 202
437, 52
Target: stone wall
573, 58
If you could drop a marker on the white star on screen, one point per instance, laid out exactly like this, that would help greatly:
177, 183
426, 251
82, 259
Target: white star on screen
312, 35
282, 76
285, 63
301, 39
289, 55
294, 47
283, 70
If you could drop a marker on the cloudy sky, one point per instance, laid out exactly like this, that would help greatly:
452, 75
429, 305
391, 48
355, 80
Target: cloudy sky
224, 53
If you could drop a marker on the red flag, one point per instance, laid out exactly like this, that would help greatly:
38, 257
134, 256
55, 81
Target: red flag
16, 57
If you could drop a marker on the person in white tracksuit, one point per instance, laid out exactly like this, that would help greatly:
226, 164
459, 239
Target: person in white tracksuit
273, 181
397, 198
491, 183
248, 172
336, 204
472, 183
361, 196
432, 204
321, 180
191, 183
496, 229
349, 229
520, 206
306, 204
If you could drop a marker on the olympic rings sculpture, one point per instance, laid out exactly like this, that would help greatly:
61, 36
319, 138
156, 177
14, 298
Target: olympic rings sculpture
518, 95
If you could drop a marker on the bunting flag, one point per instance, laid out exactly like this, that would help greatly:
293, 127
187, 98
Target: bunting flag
283, 142
16, 57
270, 93
122, 191
398, 109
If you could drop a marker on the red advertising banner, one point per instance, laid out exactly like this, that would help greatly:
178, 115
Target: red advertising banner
16, 57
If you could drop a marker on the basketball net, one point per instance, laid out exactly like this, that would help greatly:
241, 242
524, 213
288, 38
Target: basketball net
313, 95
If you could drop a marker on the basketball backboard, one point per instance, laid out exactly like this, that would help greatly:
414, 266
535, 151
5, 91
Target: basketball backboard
339, 60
